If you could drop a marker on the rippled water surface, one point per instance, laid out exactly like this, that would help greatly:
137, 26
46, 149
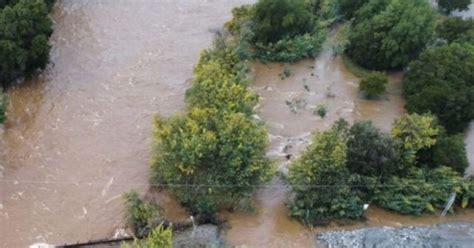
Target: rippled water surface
78, 136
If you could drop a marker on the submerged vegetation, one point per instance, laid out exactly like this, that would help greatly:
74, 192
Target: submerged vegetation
213, 155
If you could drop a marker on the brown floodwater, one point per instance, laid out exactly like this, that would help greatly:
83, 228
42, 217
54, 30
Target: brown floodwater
288, 106
78, 136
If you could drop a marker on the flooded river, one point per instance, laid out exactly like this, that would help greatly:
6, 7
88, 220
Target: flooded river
78, 136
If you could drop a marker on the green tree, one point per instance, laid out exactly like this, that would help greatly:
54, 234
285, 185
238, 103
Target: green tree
210, 159
349, 7
440, 82
24, 31
275, 20
370, 152
415, 132
456, 29
219, 84
320, 178
388, 34
160, 237
449, 150
449, 5
373, 84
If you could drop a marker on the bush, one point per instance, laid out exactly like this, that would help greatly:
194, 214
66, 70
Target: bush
456, 29
371, 153
3, 107
373, 84
210, 159
24, 31
140, 215
449, 5
277, 20
440, 82
291, 49
321, 110
420, 191
159, 237
319, 180
387, 34
415, 132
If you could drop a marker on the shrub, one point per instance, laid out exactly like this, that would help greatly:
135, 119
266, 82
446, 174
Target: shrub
276, 20
370, 152
420, 191
415, 132
440, 82
449, 5
139, 214
456, 29
3, 107
388, 34
373, 84
319, 180
321, 110
291, 49
159, 237
24, 31
210, 159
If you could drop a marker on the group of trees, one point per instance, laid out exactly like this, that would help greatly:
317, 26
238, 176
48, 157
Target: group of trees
213, 156
25, 28
346, 167
282, 31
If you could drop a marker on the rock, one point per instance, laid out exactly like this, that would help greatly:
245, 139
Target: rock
201, 236
454, 234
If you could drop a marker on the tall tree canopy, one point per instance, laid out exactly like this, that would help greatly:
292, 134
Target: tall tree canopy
24, 32
441, 81
387, 34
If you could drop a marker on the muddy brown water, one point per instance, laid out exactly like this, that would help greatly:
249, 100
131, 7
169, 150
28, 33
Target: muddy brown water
84, 126
78, 136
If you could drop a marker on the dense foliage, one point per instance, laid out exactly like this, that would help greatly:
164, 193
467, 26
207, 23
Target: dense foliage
282, 31
276, 20
449, 5
373, 84
140, 215
319, 180
220, 83
213, 156
348, 166
387, 34
456, 29
420, 191
415, 132
25, 28
371, 153
159, 237
348, 8
441, 81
